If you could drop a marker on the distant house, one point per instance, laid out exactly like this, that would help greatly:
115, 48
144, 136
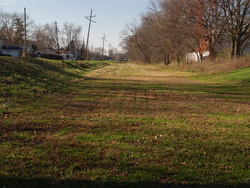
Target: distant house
66, 55
47, 53
220, 48
14, 51
196, 56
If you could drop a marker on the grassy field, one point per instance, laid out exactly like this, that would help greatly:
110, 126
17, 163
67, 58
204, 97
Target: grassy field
97, 124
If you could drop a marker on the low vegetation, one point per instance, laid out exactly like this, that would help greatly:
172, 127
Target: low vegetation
121, 125
220, 65
25, 80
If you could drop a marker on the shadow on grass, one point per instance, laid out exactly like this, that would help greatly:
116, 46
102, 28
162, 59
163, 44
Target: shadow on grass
228, 91
20, 182
48, 66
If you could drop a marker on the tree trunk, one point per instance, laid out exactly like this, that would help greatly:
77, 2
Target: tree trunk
167, 59
212, 47
233, 47
211, 52
178, 59
238, 47
199, 56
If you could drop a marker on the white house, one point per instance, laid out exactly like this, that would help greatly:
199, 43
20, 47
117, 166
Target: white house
196, 56
14, 51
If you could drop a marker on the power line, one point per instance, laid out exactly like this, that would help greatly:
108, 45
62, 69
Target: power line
76, 7
99, 28
86, 8
87, 3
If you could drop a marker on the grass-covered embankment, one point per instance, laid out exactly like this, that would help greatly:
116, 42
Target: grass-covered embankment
22, 80
130, 125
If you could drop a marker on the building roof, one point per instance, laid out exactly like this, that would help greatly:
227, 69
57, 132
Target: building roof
12, 48
51, 52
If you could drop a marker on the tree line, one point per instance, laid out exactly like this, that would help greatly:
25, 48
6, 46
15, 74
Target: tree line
41, 37
46, 37
172, 28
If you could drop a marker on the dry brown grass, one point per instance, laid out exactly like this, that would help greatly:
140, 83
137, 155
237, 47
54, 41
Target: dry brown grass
219, 65
137, 71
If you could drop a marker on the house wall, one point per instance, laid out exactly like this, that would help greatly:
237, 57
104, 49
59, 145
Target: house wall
192, 57
13, 53
195, 56
1, 46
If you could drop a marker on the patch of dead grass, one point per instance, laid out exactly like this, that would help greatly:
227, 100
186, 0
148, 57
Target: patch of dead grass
219, 65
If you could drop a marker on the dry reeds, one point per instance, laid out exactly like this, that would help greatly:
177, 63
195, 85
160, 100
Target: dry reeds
218, 65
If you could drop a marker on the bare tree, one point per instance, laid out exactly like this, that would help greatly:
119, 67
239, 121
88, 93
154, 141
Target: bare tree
68, 31
44, 37
210, 24
135, 39
50, 36
77, 38
8, 32
176, 30
237, 18
12, 28
172, 28
40, 37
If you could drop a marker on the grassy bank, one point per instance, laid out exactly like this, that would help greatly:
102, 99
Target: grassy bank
128, 125
23, 80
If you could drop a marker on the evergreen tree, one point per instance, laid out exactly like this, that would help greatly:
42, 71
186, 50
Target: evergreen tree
18, 31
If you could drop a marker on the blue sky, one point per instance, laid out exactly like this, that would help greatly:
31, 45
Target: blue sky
111, 15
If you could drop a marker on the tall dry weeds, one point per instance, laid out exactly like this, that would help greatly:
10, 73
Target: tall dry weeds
218, 65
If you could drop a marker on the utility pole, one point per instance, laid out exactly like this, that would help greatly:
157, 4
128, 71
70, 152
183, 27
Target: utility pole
25, 34
57, 40
83, 49
90, 20
75, 49
70, 44
110, 50
104, 39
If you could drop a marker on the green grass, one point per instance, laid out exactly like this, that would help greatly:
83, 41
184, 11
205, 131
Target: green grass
237, 76
241, 75
28, 79
104, 129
